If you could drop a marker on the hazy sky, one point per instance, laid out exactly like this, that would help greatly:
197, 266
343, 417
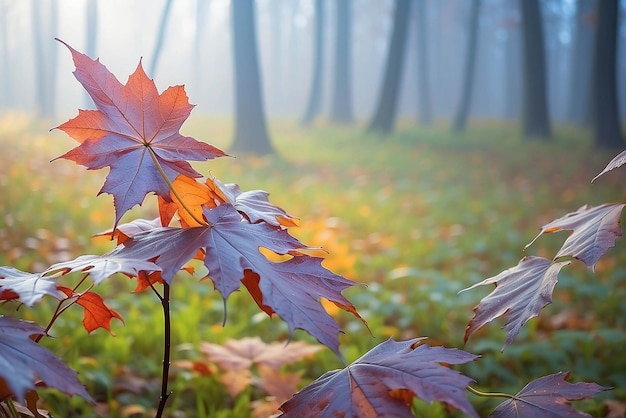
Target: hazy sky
127, 30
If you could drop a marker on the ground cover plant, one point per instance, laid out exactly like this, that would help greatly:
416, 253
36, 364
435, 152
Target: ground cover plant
386, 351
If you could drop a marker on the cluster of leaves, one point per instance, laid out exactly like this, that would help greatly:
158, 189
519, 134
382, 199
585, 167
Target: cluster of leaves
241, 238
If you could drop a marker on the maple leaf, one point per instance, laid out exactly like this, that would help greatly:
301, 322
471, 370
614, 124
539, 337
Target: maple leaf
29, 288
100, 267
246, 352
291, 289
22, 361
548, 396
134, 131
255, 205
236, 358
280, 386
195, 196
129, 229
595, 230
96, 313
618, 161
369, 387
520, 294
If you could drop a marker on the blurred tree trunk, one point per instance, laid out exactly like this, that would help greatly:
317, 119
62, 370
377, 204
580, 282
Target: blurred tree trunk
198, 43
91, 31
579, 109
470, 63
92, 28
44, 32
535, 119
341, 105
513, 77
156, 53
423, 83
250, 128
315, 93
606, 123
5, 69
201, 21
384, 117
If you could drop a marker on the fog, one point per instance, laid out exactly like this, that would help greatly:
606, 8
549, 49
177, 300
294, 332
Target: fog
196, 51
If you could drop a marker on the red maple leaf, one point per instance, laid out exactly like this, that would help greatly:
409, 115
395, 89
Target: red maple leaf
135, 132
595, 230
292, 288
547, 397
22, 361
382, 381
96, 313
520, 294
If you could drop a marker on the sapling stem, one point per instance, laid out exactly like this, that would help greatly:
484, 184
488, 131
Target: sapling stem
165, 302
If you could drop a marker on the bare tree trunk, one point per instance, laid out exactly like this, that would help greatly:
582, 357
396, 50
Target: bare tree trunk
45, 55
91, 31
384, 117
606, 124
470, 64
198, 43
5, 69
315, 93
341, 107
423, 64
160, 37
513, 77
579, 109
536, 122
250, 128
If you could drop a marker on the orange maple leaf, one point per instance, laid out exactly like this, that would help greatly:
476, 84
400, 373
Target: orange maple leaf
96, 313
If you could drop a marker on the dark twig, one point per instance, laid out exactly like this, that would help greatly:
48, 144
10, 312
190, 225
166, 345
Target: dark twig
165, 302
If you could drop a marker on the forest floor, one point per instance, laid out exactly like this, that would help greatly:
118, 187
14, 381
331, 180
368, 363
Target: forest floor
416, 216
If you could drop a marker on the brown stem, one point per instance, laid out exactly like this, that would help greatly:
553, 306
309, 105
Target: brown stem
60, 309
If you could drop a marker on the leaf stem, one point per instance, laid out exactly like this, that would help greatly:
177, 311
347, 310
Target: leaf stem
489, 394
157, 164
60, 308
12, 410
165, 302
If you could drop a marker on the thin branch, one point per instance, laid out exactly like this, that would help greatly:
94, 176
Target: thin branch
165, 302
62, 308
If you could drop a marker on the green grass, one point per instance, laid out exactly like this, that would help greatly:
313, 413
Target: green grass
416, 217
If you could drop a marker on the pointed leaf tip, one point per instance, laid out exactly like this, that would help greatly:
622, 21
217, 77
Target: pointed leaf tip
520, 294
616, 162
595, 229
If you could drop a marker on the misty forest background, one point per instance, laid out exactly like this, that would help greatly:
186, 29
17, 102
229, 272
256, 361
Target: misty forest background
339, 60
422, 143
